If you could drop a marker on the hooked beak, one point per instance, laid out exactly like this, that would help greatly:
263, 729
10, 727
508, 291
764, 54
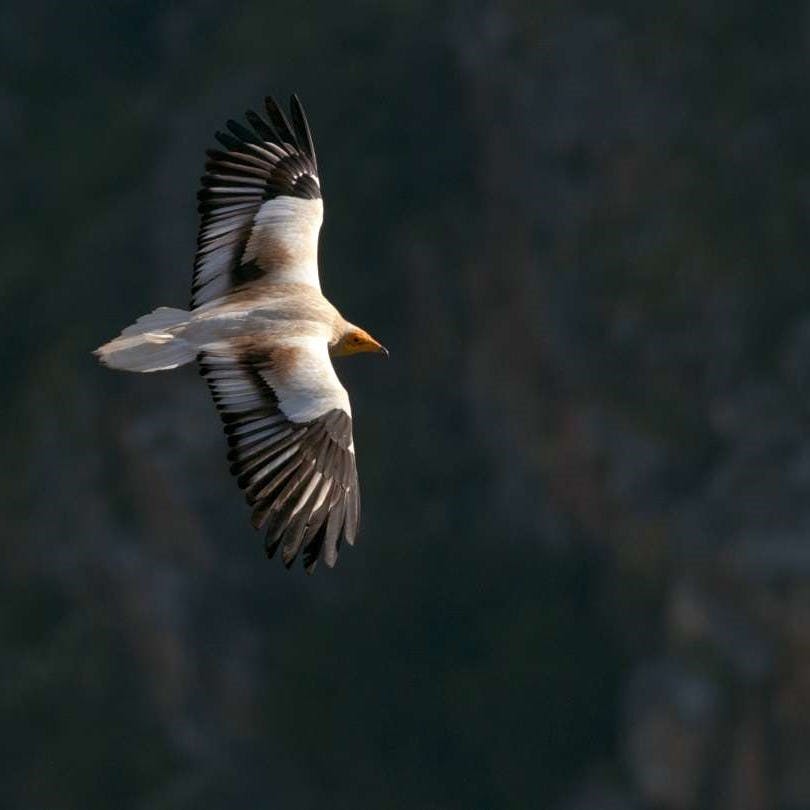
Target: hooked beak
379, 348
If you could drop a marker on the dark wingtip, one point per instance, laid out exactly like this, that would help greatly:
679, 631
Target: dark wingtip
279, 121
228, 141
242, 132
302, 130
261, 126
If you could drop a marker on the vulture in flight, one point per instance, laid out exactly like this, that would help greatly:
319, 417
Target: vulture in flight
263, 337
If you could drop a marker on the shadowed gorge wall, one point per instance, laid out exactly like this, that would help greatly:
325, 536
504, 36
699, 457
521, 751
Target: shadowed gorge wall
582, 574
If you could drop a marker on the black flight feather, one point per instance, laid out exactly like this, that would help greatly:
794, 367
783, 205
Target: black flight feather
302, 130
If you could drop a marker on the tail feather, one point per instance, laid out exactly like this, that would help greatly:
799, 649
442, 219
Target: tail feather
153, 343
161, 318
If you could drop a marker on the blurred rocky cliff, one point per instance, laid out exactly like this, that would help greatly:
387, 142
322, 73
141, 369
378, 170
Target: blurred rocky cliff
583, 578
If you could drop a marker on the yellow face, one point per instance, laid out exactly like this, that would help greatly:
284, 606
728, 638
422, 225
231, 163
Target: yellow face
356, 341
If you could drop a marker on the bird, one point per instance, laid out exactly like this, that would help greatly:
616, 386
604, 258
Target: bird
263, 336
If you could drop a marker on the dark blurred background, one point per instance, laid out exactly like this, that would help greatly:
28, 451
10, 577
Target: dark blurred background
583, 576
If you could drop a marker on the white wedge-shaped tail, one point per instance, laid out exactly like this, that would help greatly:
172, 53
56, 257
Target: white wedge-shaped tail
153, 343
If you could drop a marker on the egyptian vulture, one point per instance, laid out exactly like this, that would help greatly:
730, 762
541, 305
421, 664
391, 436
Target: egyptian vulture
262, 335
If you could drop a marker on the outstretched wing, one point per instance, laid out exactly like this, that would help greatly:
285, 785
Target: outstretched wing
260, 206
288, 423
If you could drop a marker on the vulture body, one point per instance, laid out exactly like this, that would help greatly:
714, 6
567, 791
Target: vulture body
263, 336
